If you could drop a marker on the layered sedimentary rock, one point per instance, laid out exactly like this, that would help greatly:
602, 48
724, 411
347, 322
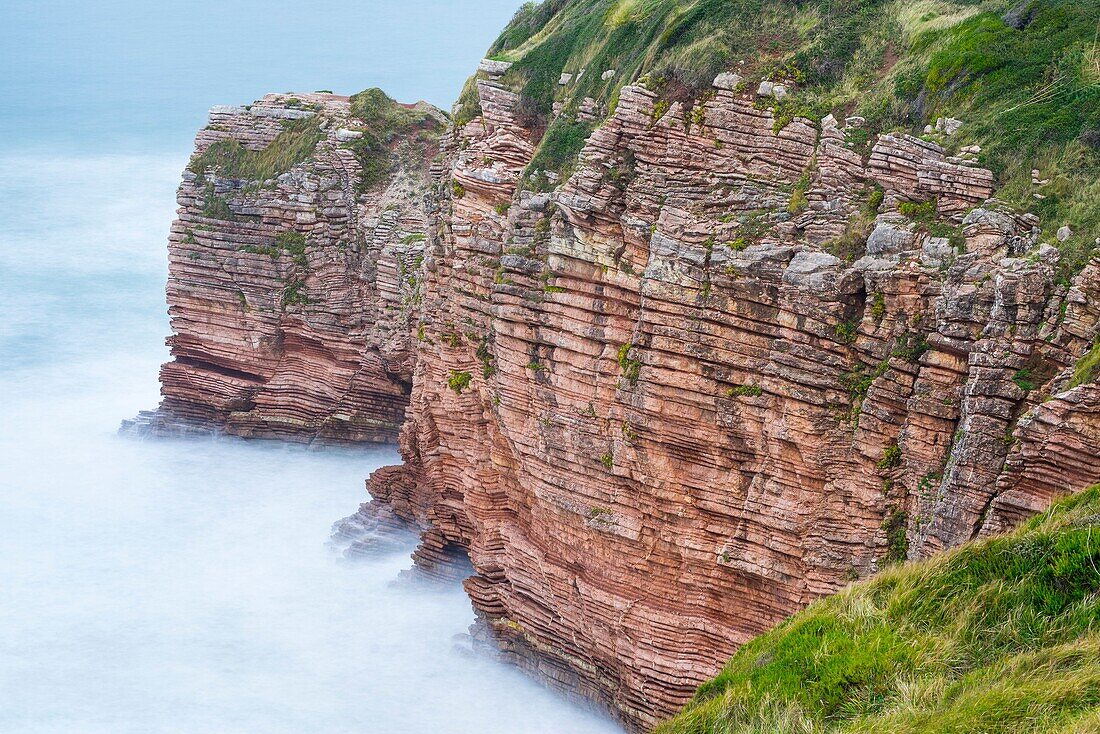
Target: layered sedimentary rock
290, 291
727, 365
661, 416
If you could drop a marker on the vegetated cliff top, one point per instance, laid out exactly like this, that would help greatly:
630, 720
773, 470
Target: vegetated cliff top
1023, 76
377, 125
997, 636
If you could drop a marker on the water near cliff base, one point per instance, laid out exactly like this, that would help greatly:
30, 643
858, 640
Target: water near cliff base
184, 586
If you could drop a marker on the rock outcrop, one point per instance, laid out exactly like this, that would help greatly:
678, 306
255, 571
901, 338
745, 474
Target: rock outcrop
728, 365
292, 276
661, 415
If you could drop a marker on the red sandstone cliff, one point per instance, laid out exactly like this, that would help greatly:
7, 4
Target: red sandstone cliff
291, 291
661, 418
654, 411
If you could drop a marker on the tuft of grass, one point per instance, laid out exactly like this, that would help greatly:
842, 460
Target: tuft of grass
230, 158
1088, 368
558, 152
385, 125
1000, 636
631, 368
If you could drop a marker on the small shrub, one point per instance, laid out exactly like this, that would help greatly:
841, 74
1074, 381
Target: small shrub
459, 381
294, 293
745, 391
631, 368
878, 307
608, 461
1023, 380
897, 540
911, 347
891, 458
799, 203
846, 331
1088, 368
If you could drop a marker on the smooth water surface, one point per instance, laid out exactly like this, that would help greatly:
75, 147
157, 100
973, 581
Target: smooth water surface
185, 586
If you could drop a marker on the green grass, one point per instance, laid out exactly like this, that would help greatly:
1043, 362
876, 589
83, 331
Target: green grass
1088, 368
385, 124
459, 381
231, 159
997, 637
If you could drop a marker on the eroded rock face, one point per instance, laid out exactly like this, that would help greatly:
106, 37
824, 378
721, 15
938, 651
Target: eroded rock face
717, 373
661, 415
291, 297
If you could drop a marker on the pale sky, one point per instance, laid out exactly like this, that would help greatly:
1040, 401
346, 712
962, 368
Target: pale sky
139, 75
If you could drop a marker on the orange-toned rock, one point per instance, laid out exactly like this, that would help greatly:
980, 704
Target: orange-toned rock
710, 377
661, 417
291, 297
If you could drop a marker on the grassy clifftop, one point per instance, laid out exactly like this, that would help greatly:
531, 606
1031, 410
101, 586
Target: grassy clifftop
1024, 75
997, 636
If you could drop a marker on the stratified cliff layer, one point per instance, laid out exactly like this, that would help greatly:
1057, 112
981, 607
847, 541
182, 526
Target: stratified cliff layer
706, 310
998, 636
292, 269
661, 418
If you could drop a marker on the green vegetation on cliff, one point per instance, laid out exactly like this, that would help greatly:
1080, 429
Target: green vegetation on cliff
998, 636
289, 148
1023, 76
385, 123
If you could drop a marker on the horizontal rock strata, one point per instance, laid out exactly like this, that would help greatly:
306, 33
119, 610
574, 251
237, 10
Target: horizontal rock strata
290, 296
728, 365
661, 415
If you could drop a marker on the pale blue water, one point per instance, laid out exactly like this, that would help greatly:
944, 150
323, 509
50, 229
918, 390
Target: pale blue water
175, 586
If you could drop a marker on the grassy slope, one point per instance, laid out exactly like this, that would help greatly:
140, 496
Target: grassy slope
997, 636
1030, 96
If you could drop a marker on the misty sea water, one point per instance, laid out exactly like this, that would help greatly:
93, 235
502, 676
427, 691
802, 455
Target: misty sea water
185, 586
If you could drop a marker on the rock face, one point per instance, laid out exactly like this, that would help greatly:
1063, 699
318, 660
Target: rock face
290, 291
661, 415
725, 367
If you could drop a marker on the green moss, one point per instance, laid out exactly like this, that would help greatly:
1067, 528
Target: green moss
215, 206
749, 391
608, 461
878, 307
897, 541
557, 152
798, 202
891, 458
911, 347
846, 331
1023, 380
631, 368
385, 125
294, 293
1000, 637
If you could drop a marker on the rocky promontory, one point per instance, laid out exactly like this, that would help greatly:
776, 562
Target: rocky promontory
293, 269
